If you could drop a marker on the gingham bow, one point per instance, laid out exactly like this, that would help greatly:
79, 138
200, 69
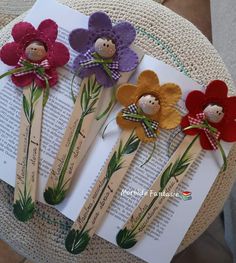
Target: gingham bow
110, 66
37, 68
212, 134
131, 113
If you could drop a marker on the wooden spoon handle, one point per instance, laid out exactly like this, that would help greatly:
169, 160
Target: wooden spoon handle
28, 153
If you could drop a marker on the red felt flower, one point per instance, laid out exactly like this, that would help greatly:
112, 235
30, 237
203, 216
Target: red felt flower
215, 94
24, 34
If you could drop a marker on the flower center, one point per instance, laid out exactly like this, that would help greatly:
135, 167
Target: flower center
35, 51
214, 113
105, 47
149, 104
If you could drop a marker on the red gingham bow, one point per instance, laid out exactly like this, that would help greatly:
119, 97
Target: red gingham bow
212, 136
34, 69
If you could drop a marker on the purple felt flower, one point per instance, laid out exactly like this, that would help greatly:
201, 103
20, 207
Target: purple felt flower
117, 40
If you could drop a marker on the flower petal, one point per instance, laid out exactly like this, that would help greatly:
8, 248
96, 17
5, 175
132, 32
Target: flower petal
124, 94
23, 81
142, 135
10, 53
98, 21
216, 89
185, 123
52, 81
79, 39
58, 55
21, 30
148, 78
170, 93
230, 105
228, 133
195, 101
205, 143
168, 118
128, 60
102, 78
126, 32
48, 28
125, 124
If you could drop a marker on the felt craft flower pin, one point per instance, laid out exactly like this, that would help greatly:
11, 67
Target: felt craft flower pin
104, 50
104, 53
35, 55
148, 106
211, 118
212, 115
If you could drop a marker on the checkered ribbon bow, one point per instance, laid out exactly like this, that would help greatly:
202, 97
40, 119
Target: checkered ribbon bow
211, 133
131, 113
37, 68
110, 66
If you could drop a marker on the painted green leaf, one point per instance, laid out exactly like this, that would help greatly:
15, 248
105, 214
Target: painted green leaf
125, 238
26, 107
36, 94
77, 241
111, 166
132, 147
166, 176
83, 99
45, 96
181, 169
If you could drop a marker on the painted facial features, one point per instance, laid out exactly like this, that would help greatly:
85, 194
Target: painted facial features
149, 104
35, 51
214, 113
105, 48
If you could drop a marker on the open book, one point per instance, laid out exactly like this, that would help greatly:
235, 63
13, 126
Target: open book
168, 229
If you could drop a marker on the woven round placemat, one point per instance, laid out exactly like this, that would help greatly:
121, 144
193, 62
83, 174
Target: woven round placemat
166, 36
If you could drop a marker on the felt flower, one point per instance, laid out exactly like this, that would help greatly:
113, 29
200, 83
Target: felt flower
218, 109
103, 49
38, 51
160, 98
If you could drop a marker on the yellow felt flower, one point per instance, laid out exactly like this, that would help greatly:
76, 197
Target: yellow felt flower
168, 95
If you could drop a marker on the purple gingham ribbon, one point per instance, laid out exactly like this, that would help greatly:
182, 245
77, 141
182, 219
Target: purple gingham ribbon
90, 61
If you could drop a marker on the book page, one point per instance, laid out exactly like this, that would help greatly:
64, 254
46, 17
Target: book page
175, 217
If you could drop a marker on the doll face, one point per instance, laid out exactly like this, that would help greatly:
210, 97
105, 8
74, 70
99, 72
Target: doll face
105, 48
35, 51
214, 113
149, 104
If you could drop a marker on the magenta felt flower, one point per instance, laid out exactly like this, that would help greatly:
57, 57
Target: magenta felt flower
37, 52
104, 49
